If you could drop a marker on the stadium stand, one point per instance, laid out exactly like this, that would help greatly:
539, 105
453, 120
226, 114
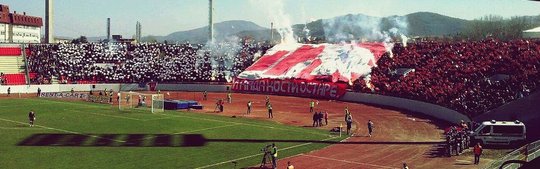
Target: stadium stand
127, 63
470, 77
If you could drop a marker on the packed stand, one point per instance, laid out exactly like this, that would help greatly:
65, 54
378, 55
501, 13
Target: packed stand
137, 63
470, 77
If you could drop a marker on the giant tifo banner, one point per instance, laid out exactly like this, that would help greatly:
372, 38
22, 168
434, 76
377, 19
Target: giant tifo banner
327, 62
311, 70
294, 87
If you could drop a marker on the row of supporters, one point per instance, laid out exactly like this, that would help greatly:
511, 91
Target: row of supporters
470, 77
129, 63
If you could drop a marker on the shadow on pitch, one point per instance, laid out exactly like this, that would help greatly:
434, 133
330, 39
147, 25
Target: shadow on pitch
162, 140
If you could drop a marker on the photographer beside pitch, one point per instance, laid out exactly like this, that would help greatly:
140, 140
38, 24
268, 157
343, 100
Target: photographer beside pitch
274, 155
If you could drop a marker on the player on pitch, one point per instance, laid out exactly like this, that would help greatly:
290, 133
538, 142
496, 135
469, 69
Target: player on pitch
32, 117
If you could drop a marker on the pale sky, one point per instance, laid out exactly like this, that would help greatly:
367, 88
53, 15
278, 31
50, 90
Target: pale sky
161, 17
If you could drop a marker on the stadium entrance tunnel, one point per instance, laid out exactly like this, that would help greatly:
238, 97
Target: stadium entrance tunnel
162, 140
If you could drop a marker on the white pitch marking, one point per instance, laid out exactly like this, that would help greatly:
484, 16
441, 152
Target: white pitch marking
121, 117
347, 161
247, 124
62, 130
254, 155
191, 131
20, 128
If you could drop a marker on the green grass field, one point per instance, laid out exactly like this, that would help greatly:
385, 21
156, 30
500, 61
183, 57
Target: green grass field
89, 135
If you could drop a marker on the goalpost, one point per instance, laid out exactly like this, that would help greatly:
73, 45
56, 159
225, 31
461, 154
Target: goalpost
134, 100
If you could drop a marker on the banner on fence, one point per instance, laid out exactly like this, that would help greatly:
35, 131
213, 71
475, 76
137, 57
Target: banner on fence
99, 99
295, 87
64, 95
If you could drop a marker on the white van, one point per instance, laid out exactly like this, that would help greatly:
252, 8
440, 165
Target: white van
500, 133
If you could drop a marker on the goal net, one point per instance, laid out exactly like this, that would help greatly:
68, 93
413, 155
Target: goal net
134, 100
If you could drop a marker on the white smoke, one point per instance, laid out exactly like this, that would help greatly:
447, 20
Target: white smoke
222, 54
350, 28
365, 28
275, 9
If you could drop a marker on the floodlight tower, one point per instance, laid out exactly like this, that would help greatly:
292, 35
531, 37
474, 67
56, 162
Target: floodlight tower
49, 23
108, 29
210, 21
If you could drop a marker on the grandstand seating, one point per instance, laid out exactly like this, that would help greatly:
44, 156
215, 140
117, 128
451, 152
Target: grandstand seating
15, 78
11, 64
458, 75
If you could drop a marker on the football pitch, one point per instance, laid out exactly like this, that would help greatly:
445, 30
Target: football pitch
73, 134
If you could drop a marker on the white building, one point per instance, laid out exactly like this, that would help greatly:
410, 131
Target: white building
19, 28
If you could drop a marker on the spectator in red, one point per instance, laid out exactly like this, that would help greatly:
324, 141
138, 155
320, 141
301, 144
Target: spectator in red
477, 152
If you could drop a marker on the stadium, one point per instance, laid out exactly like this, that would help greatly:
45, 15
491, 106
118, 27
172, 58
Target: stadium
350, 97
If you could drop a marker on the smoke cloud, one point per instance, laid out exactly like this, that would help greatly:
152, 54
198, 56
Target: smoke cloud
364, 28
275, 9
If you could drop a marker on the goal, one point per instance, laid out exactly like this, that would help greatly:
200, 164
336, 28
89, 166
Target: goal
134, 100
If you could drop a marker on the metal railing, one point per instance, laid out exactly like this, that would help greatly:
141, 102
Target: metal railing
525, 153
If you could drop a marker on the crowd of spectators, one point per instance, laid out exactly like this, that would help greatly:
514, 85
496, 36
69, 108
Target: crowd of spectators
471, 76
468, 76
139, 63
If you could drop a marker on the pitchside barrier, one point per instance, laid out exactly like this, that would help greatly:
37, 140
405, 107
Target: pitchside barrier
526, 153
64, 95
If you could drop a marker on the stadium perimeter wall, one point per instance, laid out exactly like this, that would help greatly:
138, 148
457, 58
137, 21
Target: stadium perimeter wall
432, 110
522, 109
58, 88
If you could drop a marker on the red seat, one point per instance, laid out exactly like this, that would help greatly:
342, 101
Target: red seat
15, 79
10, 51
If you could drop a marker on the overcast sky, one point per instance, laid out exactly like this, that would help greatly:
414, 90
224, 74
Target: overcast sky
161, 17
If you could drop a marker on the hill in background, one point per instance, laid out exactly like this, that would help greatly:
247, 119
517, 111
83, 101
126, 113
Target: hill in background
419, 24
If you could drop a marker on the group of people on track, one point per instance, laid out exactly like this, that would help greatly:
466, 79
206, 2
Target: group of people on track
320, 118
